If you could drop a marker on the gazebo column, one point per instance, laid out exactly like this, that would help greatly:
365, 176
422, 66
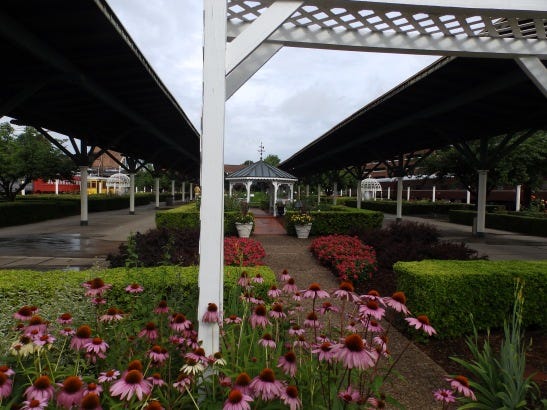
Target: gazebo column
388, 192
230, 188
334, 193
132, 193
157, 191
517, 198
248, 186
433, 194
399, 199
481, 202
56, 187
83, 196
291, 187
408, 193
275, 186
468, 197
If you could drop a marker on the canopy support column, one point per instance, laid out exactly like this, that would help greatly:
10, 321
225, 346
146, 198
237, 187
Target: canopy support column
388, 192
173, 189
191, 191
481, 202
183, 191
517, 198
399, 199
248, 187
434, 194
132, 193
291, 187
83, 196
335, 193
275, 186
157, 191
230, 188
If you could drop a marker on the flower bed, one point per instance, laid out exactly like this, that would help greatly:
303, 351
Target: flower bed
346, 256
243, 252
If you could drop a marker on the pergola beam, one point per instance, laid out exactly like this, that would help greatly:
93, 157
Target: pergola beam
536, 71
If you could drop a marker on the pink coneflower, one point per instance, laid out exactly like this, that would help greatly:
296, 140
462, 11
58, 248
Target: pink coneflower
274, 292
36, 324
67, 331
237, 401
243, 384
96, 287
198, 355
8, 371
211, 315
312, 321
243, 280
290, 286
90, 401
112, 315
461, 385
70, 393
156, 380
179, 322
65, 319
98, 301
297, 296
444, 396
421, 322
258, 278
25, 313
296, 331
192, 367
287, 363
97, 346
327, 307
150, 331
267, 341
162, 307
346, 291
183, 382
285, 275
397, 301
34, 404
6, 385
154, 405
373, 326
258, 317
290, 398
224, 381
265, 386
134, 288
93, 388
233, 320
350, 395
108, 376
81, 338
324, 352
132, 383
158, 354
276, 312
381, 344
353, 353
314, 291
44, 339
373, 295
372, 309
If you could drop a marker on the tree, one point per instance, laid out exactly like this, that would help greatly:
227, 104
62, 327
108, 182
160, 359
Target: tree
248, 162
26, 157
272, 159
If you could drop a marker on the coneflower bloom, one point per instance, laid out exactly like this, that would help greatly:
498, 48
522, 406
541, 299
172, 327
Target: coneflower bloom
97, 346
243, 280
135, 365
258, 278
34, 404
373, 326
274, 292
6, 385
371, 308
243, 384
312, 321
265, 386
192, 367
96, 287
421, 322
134, 288
112, 315
225, 381
131, 384
267, 341
70, 392
36, 323
397, 301
233, 319
285, 275
287, 363
297, 296
156, 380
290, 286
65, 319
44, 339
162, 307
154, 405
81, 338
373, 295
158, 354
108, 376
217, 359
444, 396
183, 382
23, 347
237, 401
8, 371
25, 313
98, 301
179, 322
324, 352
314, 291
461, 385
276, 312
197, 354
67, 331
301, 342
327, 307
346, 291
258, 317
93, 388
91, 401
296, 331
150, 331
353, 353
350, 395
290, 398
211, 315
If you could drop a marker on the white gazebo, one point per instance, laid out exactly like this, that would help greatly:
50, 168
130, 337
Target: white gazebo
263, 172
119, 183
369, 189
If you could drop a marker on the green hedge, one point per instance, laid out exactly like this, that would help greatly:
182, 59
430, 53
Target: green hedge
410, 207
55, 292
504, 221
448, 292
339, 219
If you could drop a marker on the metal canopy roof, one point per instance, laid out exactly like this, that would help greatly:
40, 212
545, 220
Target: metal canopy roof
72, 68
452, 100
261, 171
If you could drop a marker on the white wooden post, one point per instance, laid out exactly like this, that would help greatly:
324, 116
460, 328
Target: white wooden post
408, 193
100, 186
468, 197
481, 202
517, 198
131, 193
211, 265
433, 194
183, 191
248, 186
399, 198
291, 187
83, 196
230, 188
56, 187
157, 191
191, 191
275, 185
350, 192
388, 192
334, 193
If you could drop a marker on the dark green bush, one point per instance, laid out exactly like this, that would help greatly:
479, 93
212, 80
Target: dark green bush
504, 221
449, 292
409, 207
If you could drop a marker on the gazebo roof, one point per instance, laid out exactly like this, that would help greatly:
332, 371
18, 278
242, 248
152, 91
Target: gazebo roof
261, 171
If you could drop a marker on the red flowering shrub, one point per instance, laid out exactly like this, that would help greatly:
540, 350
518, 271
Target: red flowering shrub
346, 256
242, 252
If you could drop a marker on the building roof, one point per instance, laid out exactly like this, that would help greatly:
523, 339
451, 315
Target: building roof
229, 169
73, 69
261, 171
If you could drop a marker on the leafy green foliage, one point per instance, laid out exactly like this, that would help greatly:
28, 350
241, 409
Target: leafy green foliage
448, 291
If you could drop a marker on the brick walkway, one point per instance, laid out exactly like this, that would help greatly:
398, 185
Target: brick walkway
266, 224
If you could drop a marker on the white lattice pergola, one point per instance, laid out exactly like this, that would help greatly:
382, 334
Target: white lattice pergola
370, 188
120, 183
240, 36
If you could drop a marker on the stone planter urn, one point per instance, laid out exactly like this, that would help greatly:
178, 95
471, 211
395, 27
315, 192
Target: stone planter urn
244, 229
302, 231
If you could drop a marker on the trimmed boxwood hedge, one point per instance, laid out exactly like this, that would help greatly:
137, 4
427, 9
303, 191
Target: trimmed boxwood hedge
339, 219
55, 292
504, 221
449, 292
410, 207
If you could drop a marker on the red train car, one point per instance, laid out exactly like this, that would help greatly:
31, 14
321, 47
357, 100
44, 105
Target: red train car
48, 187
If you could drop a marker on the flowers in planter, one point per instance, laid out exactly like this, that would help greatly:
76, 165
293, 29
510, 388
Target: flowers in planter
243, 252
346, 256
301, 218
245, 218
